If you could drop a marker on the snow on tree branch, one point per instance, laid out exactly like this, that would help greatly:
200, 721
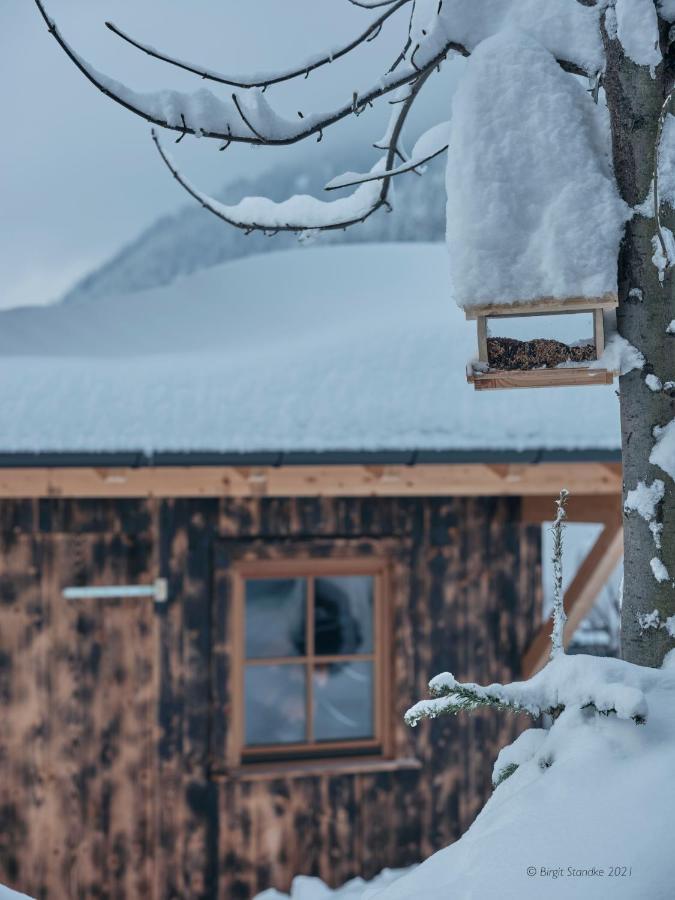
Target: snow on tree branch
568, 30
301, 212
298, 213
606, 685
432, 35
430, 145
545, 220
602, 684
248, 117
435, 29
266, 80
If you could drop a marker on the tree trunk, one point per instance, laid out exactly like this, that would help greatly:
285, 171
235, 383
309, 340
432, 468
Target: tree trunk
646, 307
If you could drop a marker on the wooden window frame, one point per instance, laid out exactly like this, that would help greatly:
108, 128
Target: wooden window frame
310, 751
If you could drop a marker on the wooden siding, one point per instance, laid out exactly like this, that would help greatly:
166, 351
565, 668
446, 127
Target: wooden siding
114, 713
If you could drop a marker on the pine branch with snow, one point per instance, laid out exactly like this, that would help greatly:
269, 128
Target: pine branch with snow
561, 683
584, 682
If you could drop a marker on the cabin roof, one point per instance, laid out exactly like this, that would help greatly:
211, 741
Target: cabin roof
315, 355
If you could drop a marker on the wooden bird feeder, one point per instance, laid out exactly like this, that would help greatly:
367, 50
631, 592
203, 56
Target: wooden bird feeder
538, 363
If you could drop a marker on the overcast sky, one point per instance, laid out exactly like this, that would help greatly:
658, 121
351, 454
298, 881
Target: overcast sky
79, 174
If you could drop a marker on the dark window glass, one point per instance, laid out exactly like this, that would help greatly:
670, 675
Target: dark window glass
343, 615
343, 701
275, 698
276, 612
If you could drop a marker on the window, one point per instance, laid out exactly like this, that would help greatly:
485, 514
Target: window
312, 659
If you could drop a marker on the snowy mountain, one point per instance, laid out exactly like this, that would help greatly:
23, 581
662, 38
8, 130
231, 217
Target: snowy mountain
192, 239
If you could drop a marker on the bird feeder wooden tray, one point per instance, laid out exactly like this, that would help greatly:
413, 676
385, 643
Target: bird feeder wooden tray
484, 377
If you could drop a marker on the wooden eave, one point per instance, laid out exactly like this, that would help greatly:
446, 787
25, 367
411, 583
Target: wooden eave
527, 479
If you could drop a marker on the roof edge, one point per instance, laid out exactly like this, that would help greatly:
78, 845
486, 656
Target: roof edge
139, 459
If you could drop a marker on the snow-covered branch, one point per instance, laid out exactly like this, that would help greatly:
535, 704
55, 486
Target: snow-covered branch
265, 80
605, 685
430, 145
432, 35
248, 117
451, 696
298, 213
305, 213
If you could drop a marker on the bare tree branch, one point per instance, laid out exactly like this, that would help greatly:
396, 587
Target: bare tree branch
265, 81
559, 617
274, 225
399, 59
574, 69
373, 4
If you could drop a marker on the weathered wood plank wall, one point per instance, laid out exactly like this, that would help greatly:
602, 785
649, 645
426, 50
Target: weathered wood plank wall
114, 714
77, 807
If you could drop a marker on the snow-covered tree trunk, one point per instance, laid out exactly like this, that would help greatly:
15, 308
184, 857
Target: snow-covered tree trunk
635, 96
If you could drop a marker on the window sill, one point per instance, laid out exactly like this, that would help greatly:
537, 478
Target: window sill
309, 768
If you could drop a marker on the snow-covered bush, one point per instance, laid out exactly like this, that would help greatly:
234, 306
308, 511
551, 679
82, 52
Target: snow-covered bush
600, 684
580, 810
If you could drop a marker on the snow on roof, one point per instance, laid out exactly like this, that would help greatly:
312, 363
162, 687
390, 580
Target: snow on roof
350, 348
533, 209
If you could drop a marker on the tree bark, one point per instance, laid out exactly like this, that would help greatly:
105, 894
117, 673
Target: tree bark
646, 307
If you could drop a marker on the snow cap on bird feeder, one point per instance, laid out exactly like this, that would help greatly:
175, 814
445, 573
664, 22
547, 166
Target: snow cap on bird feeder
534, 217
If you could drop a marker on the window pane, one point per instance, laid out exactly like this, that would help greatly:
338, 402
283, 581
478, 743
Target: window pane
343, 615
275, 617
275, 704
343, 701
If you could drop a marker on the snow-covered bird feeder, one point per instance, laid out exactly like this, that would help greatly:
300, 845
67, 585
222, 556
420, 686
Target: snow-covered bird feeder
534, 217
505, 362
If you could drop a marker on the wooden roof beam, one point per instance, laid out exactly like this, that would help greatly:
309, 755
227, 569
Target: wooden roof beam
422, 480
605, 508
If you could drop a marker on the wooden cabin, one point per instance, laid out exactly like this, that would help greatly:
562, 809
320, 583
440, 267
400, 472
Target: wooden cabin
240, 529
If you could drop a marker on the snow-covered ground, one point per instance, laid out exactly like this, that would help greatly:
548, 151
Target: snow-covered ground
8, 894
325, 348
307, 888
587, 812
580, 810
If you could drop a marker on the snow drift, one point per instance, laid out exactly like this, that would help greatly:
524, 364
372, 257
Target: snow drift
587, 808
